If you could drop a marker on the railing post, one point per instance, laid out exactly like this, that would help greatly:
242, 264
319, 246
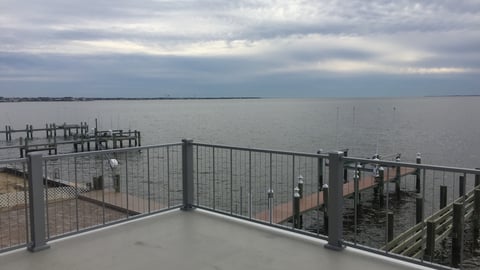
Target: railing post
187, 174
335, 201
36, 203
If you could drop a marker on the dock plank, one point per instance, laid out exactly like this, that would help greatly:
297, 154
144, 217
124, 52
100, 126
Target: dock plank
121, 201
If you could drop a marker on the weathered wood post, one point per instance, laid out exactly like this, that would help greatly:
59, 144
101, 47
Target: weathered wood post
356, 190
397, 179
457, 234
296, 209
325, 208
417, 174
419, 210
335, 201
389, 226
116, 182
443, 196
21, 147
36, 203
64, 130
300, 185
139, 138
461, 185
54, 130
477, 179
381, 185
6, 133
476, 212
320, 171
46, 131
431, 235
98, 182
26, 130
345, 171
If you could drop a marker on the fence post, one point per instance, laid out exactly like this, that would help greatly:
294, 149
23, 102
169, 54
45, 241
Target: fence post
335, 201
187, 174
36, 203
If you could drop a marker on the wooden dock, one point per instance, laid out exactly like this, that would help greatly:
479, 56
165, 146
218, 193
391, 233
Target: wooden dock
121, 201
283, 212
81, 142
420, 240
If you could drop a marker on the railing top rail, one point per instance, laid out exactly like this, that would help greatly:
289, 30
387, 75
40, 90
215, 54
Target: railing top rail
16, 160
262, 150
108, 151
413, 165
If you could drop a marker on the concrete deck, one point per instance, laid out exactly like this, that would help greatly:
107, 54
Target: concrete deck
192, 240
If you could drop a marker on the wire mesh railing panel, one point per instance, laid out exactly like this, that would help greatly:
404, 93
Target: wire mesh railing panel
94, 189
258, 185
14, 215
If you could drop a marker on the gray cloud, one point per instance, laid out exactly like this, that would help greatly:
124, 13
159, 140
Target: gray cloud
273, 48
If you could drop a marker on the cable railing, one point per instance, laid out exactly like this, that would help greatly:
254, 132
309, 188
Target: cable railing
415, 212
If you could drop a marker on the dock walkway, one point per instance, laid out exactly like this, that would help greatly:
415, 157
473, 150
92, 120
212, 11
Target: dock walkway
283, 212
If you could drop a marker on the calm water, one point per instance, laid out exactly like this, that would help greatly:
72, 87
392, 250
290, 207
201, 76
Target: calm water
445, 130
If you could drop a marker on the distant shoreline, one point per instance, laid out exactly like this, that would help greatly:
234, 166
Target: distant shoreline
70, 99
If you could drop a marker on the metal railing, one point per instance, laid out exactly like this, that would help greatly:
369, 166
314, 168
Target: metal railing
71, 193
398, 209
13, 204
258, 184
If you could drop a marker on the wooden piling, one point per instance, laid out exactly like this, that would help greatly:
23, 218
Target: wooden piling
300, 186
345, 171
381, 185
296, 211
325, 210
320, 171
21, 148
116, 182
419, 210
397, 183
477, 179
457, 234
139, 139
476, 211
443, 196
461, 186
98, 182
430, 243
417, 174
389, 226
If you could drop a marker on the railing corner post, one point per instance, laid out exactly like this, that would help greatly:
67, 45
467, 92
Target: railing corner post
36, 203
187, 174
335, 201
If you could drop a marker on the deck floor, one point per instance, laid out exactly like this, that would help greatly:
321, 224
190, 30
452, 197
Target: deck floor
193, 240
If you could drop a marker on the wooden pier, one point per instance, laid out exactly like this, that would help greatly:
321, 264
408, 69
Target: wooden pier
50, 130
283, 212
80, 138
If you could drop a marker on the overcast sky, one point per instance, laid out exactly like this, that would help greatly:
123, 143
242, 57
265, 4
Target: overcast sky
283, 48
